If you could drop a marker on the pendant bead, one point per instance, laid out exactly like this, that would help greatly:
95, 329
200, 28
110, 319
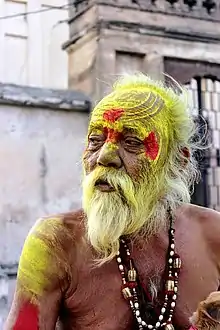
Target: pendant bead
169, 327
177, 262
126, 293
132, 275
170, 285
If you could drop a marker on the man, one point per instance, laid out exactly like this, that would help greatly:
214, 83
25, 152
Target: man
138, 256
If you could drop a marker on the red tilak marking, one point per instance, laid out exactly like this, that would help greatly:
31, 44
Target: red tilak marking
113, 115
27, 318
112, 135
151, 146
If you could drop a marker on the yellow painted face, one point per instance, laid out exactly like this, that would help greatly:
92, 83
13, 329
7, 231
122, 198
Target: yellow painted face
140, 111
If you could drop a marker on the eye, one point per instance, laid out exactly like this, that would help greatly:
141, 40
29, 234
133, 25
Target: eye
95, 141
132, 142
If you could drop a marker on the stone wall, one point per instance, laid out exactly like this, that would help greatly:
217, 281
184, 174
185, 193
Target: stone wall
42, 135
143, 33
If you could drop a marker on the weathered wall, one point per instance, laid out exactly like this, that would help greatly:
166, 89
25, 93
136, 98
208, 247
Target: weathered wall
82, 63
36, 40
40, 168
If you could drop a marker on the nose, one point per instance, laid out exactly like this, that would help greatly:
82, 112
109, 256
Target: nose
109, 156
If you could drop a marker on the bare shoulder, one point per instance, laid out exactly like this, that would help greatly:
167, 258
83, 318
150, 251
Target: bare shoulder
64, 225
59, 231
47, 271
49, 250
205, 221
199, 214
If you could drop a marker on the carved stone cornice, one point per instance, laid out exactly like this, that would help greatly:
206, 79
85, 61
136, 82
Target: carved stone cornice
200, 9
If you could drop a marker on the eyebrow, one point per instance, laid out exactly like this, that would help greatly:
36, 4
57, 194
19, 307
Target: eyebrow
126, 129
131, 130
95, 129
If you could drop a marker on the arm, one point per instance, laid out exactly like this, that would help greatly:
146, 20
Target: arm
41, 278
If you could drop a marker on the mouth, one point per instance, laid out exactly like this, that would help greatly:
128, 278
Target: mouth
103, 186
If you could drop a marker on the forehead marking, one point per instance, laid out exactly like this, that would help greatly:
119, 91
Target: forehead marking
151, 146
112, 135
112, 115
146, 104
151, 106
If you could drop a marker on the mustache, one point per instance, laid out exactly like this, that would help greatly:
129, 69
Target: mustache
120, 181
113, 177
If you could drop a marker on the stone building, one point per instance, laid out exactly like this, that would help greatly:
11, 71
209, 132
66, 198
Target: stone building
31, 35
179, 37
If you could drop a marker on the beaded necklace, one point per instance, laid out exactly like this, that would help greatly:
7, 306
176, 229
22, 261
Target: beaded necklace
130, 284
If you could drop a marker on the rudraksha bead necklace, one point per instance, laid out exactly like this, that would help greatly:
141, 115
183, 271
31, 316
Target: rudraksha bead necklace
130, 284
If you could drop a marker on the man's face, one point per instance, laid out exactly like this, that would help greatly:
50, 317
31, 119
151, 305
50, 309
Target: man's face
124, 157
123, 132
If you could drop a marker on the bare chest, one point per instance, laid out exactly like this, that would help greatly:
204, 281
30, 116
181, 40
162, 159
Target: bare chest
98, 303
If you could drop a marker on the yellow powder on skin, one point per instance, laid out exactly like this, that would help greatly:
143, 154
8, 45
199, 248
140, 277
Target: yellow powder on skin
37, 264
144, 110
148, 107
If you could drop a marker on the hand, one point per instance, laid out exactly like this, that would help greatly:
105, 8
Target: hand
207, 315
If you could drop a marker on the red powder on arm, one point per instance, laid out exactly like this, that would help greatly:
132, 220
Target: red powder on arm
27, 318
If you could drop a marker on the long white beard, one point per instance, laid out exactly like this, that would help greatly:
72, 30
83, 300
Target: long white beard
107, 219
124, 211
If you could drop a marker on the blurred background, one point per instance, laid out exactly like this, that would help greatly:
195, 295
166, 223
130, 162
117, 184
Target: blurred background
57, 59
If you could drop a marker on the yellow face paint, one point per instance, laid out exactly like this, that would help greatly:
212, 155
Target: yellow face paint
139, 110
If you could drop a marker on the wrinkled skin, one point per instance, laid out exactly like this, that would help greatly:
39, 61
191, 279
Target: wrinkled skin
125, 156
85, 297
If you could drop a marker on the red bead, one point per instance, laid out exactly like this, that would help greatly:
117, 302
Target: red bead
132, 285
169, 293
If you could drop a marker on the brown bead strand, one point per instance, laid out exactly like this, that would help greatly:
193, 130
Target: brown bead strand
129, 285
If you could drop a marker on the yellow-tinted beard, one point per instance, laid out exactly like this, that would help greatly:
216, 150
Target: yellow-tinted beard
127, 210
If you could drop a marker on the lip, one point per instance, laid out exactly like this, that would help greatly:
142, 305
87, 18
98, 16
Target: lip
103, 186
